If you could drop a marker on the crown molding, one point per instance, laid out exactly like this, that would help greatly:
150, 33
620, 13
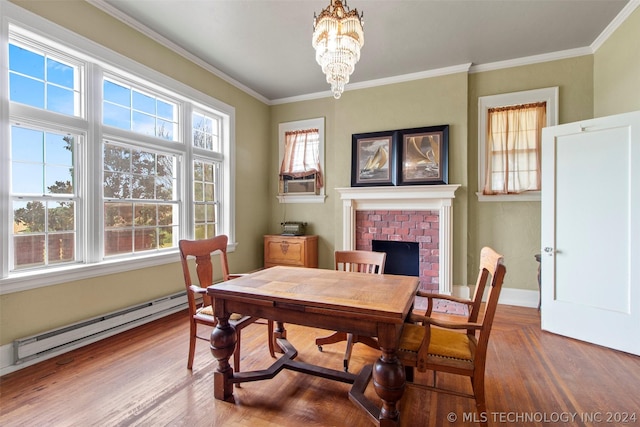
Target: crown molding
462, 68
613, 25
534, 59
110, 10
470, 68
564, 54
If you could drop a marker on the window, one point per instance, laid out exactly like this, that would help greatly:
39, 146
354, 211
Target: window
103, 180
509, 137
205, 198
44, 196
127, 108
43, 78
140, 200
301, 178
207, 181
206, 131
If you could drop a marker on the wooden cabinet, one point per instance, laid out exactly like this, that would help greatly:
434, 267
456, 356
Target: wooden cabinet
296, 251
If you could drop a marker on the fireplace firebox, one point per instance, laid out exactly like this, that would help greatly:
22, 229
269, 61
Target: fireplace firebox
402, 257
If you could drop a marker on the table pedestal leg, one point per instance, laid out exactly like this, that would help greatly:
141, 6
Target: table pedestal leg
223, 343
279, 332
389, 383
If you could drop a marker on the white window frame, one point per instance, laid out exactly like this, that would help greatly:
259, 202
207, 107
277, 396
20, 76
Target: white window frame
62, 126
548, 95
102, 60
302, 125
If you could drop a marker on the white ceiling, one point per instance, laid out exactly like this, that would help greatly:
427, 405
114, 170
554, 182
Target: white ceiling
265, 45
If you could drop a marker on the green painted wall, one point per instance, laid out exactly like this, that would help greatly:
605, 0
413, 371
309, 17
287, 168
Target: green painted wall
617, 70
513, 228
604, 83
427, 102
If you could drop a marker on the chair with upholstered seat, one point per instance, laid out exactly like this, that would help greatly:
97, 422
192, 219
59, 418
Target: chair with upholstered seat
200, 304
362, 262
456, 347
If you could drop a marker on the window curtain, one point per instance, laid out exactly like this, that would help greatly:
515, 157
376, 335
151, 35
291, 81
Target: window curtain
302, 155
514, 136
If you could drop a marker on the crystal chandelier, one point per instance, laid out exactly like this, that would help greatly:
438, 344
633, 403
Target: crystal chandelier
337, 39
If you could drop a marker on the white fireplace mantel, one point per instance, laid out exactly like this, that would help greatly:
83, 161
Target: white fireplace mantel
417, 197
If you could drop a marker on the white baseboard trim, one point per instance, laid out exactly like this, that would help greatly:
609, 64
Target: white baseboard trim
7, 356
508, 296
519, 297
462, 291
6, 359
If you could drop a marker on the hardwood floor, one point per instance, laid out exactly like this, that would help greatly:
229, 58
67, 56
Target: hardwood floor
139, 378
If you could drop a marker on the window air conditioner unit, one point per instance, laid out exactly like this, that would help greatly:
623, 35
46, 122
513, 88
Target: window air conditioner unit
306, 185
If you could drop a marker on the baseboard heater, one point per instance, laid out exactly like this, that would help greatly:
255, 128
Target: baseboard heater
48, 344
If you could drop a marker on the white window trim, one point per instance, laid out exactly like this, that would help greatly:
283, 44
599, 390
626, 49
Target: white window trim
548, 95
108, 60
300, 125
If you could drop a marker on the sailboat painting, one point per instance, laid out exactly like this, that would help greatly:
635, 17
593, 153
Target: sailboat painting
372, 161
424, 155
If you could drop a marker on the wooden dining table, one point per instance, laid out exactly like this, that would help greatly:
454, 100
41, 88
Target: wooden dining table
364, 304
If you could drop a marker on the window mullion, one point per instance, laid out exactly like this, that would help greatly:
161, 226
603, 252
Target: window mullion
92, 176
185, 174
5, 216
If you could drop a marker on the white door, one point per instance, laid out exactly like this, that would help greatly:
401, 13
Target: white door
591, 231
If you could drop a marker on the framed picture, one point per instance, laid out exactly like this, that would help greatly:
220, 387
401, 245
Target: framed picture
373, 159
424, 155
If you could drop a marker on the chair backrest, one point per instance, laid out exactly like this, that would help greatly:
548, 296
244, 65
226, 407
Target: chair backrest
361, 261
491, 266
488, 260
202, 250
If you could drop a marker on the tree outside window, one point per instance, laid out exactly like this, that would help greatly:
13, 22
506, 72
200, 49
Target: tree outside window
43, 202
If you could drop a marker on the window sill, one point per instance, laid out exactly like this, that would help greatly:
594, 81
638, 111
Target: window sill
530, 196
33, 279
301, 198
26, 280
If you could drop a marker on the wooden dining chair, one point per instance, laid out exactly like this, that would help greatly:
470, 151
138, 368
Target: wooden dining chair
362, 262
200, 304
453, 347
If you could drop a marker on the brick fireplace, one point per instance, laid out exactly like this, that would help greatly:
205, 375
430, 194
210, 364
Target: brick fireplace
421, 214
421, 227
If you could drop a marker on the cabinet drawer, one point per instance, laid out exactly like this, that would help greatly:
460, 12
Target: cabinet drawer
300, 251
